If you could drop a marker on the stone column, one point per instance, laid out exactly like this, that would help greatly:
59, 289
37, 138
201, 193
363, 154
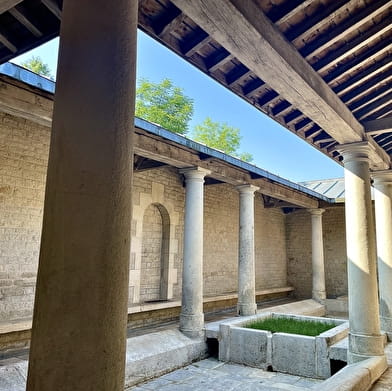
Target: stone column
364, 338
318, 273
246, 254
192, 317
80, 312
383, 203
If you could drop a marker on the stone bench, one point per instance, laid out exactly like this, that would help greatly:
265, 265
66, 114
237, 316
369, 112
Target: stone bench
17, 333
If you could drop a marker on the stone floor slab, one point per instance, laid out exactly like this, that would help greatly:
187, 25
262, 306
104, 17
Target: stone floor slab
210, 374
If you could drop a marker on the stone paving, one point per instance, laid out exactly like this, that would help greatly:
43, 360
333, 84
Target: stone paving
385, 381
213, 375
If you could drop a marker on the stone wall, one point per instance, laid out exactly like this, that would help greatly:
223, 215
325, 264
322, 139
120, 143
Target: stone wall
23, 160
299, 252
221, 220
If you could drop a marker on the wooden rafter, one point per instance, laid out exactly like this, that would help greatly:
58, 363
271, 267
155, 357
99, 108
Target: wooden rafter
350, 24
25, 22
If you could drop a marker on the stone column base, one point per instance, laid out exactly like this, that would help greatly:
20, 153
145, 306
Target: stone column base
244, 309
192, 325
319, 296
386, 326
361, 347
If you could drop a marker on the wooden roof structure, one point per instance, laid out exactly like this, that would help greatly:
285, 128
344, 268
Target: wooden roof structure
321, 68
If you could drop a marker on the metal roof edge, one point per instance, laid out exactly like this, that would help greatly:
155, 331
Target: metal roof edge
167, 134
19, 73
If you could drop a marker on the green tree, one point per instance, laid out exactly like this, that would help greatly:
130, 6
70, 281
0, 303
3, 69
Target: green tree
165, 104
220, 136
36, 65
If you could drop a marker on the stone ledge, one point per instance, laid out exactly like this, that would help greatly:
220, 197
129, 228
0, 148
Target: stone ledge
17, 333
260, 294
359, 376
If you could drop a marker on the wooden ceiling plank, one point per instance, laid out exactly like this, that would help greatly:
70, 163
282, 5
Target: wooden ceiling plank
299, 8
6, 5
350, 47
352, 23
378, 126
376, 71
368, 85
378, 114
319, 20
25, 22
53, 7
374, 94
365, 57
374, 106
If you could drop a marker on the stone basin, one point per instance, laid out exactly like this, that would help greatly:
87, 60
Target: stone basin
290, 353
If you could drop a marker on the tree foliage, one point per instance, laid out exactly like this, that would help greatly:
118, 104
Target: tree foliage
220, 136
36, 65
164, 104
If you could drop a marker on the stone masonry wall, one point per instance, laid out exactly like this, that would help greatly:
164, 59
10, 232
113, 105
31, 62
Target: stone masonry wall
221, 219
23, 160
24, 148
299, 252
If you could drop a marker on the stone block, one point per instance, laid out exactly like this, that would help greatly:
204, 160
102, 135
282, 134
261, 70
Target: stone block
249, 347
294, 354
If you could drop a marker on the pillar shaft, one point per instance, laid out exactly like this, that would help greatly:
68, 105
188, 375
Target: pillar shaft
318, 273
246, 255
80, 312
192, 317
383, 205
364, 338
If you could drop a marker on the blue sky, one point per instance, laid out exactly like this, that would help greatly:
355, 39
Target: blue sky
273, 147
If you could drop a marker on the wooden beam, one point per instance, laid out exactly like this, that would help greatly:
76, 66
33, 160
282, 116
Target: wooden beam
299, 8
6, 5
172, 25
237, 74
216, 61
252, 87
53, 7
378, 126
195, 43
25, 22
9, 45
243, 29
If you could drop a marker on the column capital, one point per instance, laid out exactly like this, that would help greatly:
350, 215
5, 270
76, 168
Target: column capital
194, 172
247, 188
355, 151
316, 211
383, 177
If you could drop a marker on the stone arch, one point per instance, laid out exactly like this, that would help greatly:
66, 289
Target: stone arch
170, 217
155, 253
